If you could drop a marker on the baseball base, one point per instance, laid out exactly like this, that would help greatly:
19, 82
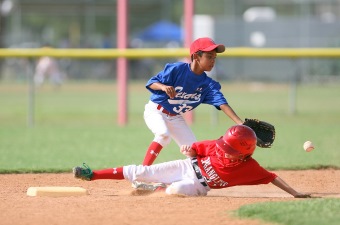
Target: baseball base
56, 191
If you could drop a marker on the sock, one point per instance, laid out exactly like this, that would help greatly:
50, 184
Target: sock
111, 173
152, 153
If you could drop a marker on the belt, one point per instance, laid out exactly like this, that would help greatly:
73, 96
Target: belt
160, 108
198, 172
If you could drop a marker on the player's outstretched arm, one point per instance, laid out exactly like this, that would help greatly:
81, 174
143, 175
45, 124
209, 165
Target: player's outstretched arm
188, 151
231, 113
284, 186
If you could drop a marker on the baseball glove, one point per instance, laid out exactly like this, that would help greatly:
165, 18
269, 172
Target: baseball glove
265, 132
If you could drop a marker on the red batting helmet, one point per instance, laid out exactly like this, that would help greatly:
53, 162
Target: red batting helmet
237, 143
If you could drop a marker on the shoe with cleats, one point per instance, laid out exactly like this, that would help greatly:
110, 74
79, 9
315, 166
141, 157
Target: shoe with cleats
84, 172
148, 186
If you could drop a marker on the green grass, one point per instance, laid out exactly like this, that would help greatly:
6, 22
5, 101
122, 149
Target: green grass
304, 212
79, 123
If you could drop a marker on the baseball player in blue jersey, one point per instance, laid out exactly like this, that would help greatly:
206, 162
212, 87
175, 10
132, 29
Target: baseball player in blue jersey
181, 87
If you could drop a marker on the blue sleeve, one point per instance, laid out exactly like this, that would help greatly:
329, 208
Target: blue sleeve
163, 77
214, 96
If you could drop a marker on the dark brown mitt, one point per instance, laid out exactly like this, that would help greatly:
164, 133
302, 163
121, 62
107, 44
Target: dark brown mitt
265, 132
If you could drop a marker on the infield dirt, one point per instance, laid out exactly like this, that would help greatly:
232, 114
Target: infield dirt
115, 202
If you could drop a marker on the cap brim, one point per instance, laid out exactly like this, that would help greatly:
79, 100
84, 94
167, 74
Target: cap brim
219, 48
225, 147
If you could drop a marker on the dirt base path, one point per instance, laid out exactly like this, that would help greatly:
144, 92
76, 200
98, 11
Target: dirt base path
113, 202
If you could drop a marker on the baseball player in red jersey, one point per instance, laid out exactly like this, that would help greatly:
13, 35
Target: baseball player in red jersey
210, 164
181, 87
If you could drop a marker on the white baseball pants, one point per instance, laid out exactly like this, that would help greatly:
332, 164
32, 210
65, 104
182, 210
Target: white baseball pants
165, 127
178, 174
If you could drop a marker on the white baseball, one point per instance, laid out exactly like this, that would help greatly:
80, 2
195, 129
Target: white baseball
308, 146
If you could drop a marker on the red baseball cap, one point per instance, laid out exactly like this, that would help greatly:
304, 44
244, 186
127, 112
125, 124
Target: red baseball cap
205, 44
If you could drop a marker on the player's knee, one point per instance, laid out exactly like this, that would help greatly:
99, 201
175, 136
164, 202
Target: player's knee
171, 190
179, 190
185, 188
163, 139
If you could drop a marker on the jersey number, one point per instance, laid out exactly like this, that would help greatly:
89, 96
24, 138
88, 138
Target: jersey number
183, 108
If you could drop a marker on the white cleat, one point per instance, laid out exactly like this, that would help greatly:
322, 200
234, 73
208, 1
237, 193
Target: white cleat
147, 186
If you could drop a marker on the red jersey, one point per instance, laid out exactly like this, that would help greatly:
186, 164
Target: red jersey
217, 175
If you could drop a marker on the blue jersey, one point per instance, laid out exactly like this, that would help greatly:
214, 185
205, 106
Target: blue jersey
191, 89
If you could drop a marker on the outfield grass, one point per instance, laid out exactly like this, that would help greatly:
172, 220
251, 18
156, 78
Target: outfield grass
306, 212
78, 123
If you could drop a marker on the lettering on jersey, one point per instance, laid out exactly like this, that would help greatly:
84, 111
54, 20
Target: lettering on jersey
184, 100
184, 95
213, 177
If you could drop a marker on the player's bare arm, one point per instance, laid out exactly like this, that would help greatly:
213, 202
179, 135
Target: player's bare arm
169, 90
188, 151
231, 113
284, 186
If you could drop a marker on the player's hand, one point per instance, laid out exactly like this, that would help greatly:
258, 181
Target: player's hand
187, 151
169, 90
302, 195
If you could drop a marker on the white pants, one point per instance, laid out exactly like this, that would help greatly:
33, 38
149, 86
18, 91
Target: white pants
165, 127
47, 67
178, 174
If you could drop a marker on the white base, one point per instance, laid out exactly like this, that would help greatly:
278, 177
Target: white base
56, 191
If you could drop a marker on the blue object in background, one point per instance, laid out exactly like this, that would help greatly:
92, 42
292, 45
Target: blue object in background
162, 31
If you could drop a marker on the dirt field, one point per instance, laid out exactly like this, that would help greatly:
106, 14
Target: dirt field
113, 202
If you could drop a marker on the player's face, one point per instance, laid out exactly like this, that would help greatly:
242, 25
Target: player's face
228, 160
207, 60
